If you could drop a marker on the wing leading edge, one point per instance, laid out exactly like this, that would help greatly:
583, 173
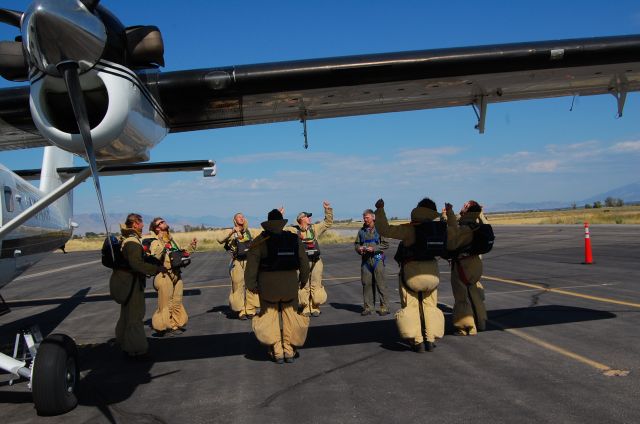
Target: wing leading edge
356, 85
375, 83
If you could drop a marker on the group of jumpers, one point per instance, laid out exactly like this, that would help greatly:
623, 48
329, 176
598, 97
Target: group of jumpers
276, 276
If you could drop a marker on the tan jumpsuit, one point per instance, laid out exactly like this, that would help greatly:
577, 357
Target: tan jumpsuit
278, 298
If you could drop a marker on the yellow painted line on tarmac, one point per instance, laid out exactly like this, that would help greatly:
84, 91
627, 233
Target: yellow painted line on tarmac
499, 293
560, 291
217, 286
604, 369
341, 278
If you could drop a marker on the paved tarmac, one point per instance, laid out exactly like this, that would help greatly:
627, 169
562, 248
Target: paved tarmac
561, 346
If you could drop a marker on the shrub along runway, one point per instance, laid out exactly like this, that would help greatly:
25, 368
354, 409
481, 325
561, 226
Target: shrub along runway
561, 345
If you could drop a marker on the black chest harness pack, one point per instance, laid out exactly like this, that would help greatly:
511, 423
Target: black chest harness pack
179, 258
242, 246
310, 243
282, 252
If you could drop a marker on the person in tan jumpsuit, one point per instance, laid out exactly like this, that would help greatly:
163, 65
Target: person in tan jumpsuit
418, 281
312, 295
237, 241
469, 312
131, 282
170, 314
278, 290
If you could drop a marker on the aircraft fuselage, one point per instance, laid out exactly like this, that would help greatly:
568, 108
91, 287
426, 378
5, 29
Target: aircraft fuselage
27, 244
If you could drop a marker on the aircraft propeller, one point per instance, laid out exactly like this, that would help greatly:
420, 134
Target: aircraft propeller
11, 17
59, 59
69, 71
65, 39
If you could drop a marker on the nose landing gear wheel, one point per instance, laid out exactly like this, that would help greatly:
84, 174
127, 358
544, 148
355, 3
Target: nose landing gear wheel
55, 375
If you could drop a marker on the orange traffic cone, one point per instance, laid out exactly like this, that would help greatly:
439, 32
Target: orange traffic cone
588, 257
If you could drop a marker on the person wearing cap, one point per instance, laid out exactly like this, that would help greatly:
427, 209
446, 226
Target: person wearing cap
469, 311
170, 314
237, 241
419, 321
312, 295
371, 246
277, 266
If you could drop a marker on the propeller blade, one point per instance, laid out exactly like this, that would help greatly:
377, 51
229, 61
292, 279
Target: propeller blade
90, 4
69, 71
11, 17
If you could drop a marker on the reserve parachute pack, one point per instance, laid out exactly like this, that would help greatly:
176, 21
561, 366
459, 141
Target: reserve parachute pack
483, 239
310, 244
117, 260
431, 241
242, 247
179, 258
282, 252
146, 249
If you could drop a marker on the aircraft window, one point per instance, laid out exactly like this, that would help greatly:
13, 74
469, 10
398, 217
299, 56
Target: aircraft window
8, 199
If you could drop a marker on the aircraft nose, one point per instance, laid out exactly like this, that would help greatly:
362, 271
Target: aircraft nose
55, 31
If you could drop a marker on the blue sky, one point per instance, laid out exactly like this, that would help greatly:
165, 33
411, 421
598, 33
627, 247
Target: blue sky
531, 151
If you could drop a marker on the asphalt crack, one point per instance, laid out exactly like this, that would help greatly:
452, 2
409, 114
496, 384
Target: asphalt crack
311, 378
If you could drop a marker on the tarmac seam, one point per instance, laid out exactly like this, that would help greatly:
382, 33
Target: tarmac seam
279, 393
560, 291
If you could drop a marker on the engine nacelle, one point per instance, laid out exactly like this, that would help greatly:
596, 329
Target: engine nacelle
126, 121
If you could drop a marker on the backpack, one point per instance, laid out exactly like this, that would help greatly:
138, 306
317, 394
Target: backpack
431, 241
282, 252
483, 239
117, 260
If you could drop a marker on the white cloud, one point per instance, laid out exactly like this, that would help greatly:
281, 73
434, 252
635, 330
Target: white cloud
278, 156
543, 166
626, 146
353, 181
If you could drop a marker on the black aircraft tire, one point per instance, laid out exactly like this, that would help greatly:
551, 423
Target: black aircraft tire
55, 375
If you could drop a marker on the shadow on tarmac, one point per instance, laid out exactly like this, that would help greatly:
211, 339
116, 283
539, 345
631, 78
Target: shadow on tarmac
111, 378
47, 320
88, 299
347, 307
536, 316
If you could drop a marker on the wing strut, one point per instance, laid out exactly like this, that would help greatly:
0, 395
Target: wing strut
303, 120
44, 202
619, 91
480, 108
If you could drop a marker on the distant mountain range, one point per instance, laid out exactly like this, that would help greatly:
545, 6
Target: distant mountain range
629, 193
92, 222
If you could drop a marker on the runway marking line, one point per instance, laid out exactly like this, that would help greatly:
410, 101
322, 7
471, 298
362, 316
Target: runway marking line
604, 369
533, 290
560, 291
40, 274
